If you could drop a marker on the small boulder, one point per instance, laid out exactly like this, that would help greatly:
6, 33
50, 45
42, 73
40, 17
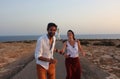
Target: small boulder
106, 59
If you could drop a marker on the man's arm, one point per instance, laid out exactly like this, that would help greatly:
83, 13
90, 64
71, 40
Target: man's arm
50, 60
39, 51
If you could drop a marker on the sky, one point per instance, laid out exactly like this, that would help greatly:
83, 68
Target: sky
30, 17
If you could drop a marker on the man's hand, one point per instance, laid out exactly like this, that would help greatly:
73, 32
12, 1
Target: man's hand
53, 61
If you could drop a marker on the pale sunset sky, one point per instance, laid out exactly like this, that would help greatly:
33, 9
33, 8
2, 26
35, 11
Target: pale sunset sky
30, 17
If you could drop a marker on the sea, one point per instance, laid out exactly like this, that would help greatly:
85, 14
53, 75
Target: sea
35, 37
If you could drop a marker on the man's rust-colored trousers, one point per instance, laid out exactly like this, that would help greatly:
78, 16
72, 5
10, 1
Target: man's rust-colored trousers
46, 74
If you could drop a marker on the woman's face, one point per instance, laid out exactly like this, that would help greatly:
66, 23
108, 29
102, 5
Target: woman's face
70, 35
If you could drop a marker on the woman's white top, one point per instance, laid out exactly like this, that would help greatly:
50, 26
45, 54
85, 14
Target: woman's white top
72, 51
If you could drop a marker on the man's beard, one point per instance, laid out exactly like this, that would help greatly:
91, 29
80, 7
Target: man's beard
51, 34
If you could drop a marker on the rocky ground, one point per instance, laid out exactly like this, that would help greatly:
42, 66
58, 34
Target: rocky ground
104, 53
14, 56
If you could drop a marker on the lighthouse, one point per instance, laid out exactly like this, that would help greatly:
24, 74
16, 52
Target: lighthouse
58, 34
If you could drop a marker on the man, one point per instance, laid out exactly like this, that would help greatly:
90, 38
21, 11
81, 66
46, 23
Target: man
44, 53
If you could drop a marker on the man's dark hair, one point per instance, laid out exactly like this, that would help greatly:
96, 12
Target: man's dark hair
51, 25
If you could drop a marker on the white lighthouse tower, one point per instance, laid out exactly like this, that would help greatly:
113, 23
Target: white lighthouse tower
58, 34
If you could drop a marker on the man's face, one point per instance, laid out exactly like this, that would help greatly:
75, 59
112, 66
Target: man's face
51, 31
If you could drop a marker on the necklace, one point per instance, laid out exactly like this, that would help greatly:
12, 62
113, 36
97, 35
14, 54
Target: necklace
72, 42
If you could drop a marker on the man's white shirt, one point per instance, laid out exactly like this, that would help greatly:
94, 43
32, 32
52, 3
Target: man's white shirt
44, 49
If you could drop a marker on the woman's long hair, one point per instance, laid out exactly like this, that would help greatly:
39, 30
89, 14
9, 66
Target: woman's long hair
72, 33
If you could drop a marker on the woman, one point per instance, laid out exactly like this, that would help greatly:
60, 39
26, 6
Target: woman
72, 62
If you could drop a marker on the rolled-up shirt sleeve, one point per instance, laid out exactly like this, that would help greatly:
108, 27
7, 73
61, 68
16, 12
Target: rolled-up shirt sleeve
38, 50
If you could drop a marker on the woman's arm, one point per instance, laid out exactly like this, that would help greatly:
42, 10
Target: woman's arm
63, 49
80, 48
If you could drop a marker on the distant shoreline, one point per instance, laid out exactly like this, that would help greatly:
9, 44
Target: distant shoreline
96, 42
56, 39
63, 37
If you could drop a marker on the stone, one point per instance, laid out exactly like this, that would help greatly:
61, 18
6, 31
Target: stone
91, 71
117, 58
106, 59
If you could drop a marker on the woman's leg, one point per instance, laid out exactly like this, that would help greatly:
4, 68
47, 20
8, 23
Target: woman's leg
68, 68
76, 69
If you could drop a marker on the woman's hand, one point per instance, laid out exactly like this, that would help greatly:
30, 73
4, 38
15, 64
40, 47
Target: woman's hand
61, 52
66, 56
83, 53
